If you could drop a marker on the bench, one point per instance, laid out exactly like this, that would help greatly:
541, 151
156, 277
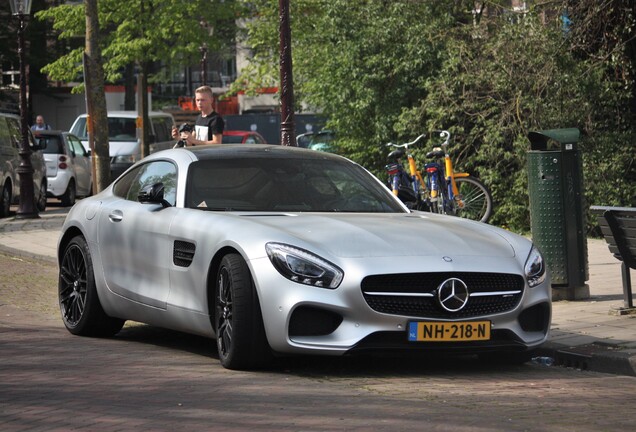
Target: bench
618, 225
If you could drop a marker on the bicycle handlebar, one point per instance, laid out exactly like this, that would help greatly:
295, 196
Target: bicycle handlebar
442, 133
406, 145
445, 135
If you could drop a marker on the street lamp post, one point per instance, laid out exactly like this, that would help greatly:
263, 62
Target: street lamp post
27, 208
204, 63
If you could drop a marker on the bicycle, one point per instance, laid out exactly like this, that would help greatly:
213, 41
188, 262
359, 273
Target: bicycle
443, 190
409, 188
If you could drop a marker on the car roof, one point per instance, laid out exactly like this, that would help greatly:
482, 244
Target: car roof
238, 132
52, 132
215, 151
132, 114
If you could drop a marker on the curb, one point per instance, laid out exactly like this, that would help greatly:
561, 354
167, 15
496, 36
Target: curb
596, 357
7, 250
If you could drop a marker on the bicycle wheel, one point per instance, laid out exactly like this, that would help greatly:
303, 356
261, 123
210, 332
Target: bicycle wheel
474, 200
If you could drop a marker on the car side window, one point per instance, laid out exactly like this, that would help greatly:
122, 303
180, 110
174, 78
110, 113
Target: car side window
14, 132
155, 172
5, 137
122, 186
76, 146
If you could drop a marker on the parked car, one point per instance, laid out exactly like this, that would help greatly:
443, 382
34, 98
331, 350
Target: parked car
10, 159
319, 141
242, 137
68, 166
125, 147
281, 250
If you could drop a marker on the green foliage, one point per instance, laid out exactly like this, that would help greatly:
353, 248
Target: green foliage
390, 70
142, 31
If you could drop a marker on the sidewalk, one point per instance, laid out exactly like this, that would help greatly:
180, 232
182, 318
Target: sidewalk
586, 334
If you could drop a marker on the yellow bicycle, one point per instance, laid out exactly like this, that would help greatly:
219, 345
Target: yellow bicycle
441, 189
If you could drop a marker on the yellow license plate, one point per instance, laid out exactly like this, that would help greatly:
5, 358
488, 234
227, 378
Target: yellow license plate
429, 331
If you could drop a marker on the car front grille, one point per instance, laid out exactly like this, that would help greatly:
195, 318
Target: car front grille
415, 294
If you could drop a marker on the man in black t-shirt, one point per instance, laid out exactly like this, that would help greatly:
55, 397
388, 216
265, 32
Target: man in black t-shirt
209, 125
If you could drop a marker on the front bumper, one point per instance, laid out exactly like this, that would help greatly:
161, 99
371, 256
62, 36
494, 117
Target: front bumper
305, 319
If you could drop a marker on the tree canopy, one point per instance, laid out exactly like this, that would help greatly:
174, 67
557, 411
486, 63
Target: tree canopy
389, 70
141, 31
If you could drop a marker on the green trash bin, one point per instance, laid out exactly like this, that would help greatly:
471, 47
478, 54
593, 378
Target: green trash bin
557, 217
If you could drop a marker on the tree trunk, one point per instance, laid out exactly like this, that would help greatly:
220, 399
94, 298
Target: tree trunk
129, 88
142, 110
96, 100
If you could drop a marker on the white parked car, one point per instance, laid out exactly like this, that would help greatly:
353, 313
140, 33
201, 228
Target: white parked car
123, 141
68, 166
277, 250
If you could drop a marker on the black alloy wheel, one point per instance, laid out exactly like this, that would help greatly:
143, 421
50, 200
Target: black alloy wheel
240, 335
81, 310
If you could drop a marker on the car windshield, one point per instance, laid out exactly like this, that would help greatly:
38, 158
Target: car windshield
53, 144
119, 129
232, 139
310, 140
286, 184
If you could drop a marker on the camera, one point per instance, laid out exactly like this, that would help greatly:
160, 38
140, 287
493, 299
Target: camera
185, 127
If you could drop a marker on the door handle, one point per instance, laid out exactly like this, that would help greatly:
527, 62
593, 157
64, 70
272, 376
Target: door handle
116, 216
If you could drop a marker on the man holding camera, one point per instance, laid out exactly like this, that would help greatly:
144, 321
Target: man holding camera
209, 125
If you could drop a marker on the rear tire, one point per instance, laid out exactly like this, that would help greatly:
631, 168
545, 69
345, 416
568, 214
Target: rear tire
476, 199
5, 200
82, 312
68, 199
240, 335
41, 199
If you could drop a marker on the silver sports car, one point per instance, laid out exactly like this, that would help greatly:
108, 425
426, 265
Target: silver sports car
275, 250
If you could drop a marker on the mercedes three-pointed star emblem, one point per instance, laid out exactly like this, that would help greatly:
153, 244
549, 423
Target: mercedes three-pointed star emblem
453, 294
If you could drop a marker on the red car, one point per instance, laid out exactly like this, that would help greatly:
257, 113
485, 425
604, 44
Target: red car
242, 137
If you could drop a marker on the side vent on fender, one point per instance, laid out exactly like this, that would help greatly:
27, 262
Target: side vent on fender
183, 253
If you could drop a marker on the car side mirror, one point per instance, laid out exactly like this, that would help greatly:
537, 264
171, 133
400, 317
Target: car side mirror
153, 194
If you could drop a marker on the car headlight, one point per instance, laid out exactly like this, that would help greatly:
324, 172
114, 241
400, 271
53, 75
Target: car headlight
301, 266
535, 268
129, 159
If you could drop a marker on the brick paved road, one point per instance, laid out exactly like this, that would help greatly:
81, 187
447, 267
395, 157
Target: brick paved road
150, 379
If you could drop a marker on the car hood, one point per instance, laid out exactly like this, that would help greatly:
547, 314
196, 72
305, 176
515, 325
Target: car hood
378, 235
123, 148
119, 148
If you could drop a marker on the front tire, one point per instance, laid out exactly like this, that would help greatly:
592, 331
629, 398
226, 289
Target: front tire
240, 335
82, 312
